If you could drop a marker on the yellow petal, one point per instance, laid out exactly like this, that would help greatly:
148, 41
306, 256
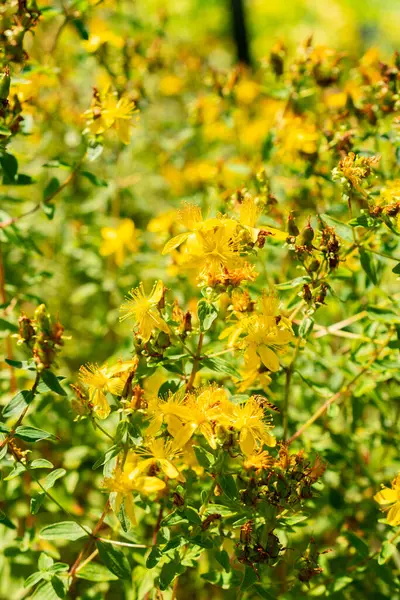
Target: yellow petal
269, 358
184, 435
101, 406
393, 516
269, 439
168, 468
386, 496
129, 506
154, 426
149, 485
175, 242
247, 441
156, 292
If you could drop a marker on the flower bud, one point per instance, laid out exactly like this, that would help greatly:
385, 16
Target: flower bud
5, 84
291, 225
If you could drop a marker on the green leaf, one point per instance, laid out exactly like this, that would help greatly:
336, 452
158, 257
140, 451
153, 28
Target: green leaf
17, 470
357, 543
49, 210
115, 560
36, 502
396, 269
168, 573
223, 558
94, 179
342, 229
50, 189
288, 285
41, 463
45, 562
205, 458
228, 486
95, 572
58, 587
383, 315
18, 403
192, 515
9, 165
368, 264
80, 28
220, 365
33, 579
45, 591
207, 313
154, 557
7, 326
386, 552
52, 477
29, 365
94, 152
306, 327
4, 520
32, 434
53, 382
249, 578
267, 147
64, 530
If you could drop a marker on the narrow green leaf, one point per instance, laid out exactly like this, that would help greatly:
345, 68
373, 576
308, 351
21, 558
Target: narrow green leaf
53, 382
32, 434
115, 560
65, 530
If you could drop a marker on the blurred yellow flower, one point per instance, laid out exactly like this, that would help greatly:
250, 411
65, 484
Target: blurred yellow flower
391, 498
170, 85
126, 480
119, 240
108, 111
101, 33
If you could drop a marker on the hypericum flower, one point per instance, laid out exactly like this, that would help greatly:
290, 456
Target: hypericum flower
203, 411
99, 380
159, 453
144, 310
125, 480
259, 461
106, 111
118, 240
248, 420
391, 498
354, 169
265, 334
189, 414
297, 137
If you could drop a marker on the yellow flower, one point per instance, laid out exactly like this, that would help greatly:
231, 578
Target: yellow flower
124, 481
101, 33
248, 419
100, 381
160, 453
391, 497
117, 240
109, 111
259, 461
297, 136
143, 309
203, 411
187, 415
246, 91
265, 335
171, 85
